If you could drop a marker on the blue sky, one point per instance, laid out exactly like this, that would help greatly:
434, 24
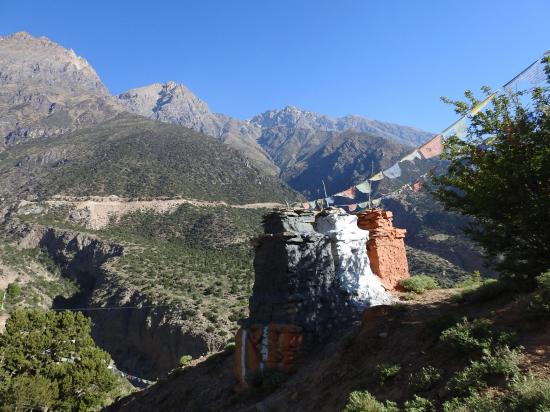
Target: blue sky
388, 60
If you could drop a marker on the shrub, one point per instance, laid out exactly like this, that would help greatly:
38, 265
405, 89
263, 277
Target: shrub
539, 305
185, 360
498, 362
363, 401
476, 402
467, 336
425, 378
50, 362
488, 290
529, 393
468, 380
385, 372
472, 282
230, 347
419, 404
13, 291
418, 284
502, 361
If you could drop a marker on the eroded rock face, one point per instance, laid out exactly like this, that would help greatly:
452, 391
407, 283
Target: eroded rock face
386, 247
143, 337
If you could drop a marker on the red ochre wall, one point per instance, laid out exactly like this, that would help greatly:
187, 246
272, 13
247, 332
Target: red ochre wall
385, 247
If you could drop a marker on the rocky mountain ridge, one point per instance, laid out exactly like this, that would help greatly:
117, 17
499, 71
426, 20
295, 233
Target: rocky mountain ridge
47, 90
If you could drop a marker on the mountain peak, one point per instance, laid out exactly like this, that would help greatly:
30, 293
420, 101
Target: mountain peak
170, 102
37, 61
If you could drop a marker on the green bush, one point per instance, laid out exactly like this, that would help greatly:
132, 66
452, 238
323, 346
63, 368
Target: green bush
488, 290
425, 378
13, 291
539, 305
230, 347
385, 372
419, 404
185, 360
473, 281
476, 402
529, 393
363, 401
468, 380
468, 336
50, 362
498, 362
418, 284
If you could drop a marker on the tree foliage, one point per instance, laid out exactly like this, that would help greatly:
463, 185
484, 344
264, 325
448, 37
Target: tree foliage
50, 362
500, 175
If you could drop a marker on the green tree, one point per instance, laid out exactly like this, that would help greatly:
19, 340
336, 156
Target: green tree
500, 175
49, 361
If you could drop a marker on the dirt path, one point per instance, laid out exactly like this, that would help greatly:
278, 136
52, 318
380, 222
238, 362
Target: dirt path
97, 211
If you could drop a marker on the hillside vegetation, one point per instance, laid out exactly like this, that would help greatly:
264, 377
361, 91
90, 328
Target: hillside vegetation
131, 157
196, 260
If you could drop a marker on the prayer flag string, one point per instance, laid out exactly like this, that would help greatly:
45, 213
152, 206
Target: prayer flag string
534, 73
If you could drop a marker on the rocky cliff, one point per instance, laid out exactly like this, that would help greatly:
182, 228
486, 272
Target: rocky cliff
47, 90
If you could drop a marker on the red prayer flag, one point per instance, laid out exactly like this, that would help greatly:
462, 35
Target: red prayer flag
349, 193
432, 148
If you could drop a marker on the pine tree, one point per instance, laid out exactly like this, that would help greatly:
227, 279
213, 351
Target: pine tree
50, 362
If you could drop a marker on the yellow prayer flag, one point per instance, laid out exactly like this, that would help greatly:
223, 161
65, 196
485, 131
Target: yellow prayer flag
478, 107
377, 176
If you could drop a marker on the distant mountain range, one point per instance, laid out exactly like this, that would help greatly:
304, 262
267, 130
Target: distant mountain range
49, 90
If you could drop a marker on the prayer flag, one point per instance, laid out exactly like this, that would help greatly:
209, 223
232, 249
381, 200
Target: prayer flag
534, 74
491, 139
411, 157
312, 205
363, 187
352, 207
320, 202
393, 172
376, 202
305, 205
432, 148
479, 107
377, 176
363, 205
457, 129
329, 200
349, 193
